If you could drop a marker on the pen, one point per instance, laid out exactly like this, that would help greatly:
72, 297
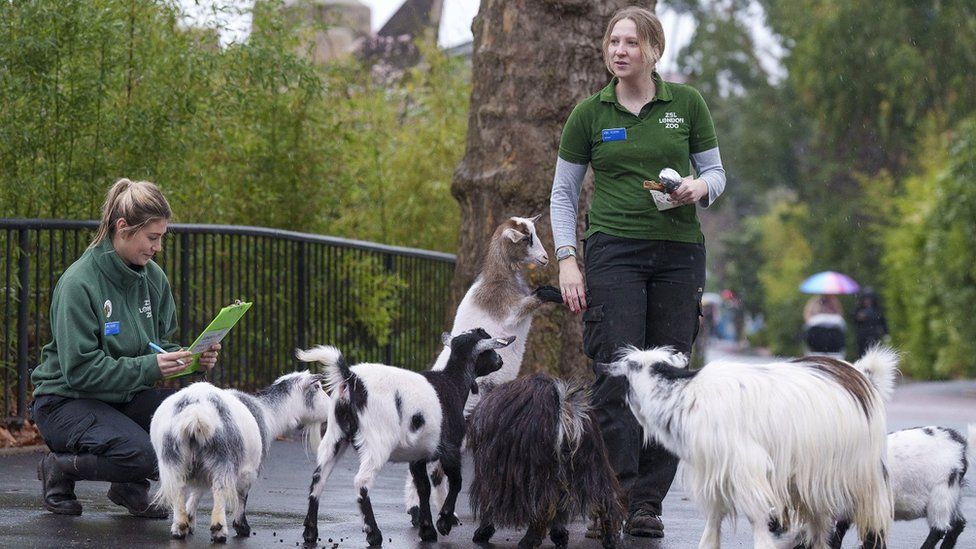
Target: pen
159, 349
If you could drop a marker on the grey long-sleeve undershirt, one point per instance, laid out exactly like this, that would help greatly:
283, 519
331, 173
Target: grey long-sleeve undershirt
568, 182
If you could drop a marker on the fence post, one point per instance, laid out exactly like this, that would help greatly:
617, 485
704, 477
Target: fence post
388, 264
184, 286
302, 293
23, 272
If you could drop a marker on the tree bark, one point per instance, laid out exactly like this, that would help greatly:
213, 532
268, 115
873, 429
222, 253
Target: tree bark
533, 60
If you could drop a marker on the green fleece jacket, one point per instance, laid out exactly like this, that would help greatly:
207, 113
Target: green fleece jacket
103, 316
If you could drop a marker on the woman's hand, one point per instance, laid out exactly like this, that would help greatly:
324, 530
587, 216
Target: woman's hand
209, 357
691, 190
571, 285
171, 363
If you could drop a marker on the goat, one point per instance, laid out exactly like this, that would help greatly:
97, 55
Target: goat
798, 439
501, 302
392, 414
211, 438
927, 468
539, 460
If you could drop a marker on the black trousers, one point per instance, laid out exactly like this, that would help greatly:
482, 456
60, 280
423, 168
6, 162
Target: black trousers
645, 293
116, 433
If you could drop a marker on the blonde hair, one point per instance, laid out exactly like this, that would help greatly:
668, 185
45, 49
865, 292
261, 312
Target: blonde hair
137, 202
650, 34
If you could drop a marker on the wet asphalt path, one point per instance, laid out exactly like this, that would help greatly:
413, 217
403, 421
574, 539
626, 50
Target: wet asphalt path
276, 505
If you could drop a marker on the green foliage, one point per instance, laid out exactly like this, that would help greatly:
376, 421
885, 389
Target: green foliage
930, 263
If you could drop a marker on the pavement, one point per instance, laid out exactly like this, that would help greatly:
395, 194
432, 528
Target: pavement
277, 502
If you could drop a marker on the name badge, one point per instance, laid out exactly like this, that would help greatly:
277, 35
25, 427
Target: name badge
614, 134
111, 328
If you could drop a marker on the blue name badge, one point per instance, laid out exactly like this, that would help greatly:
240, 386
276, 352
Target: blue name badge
111, 328
614, 134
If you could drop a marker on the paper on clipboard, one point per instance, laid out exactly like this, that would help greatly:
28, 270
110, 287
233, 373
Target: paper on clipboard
219, 327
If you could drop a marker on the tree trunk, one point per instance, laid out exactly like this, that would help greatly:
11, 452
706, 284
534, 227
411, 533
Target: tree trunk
533, 60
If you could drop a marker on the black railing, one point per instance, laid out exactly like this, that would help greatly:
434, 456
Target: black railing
376, 303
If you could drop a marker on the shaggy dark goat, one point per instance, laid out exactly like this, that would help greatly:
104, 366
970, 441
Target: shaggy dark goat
539, 460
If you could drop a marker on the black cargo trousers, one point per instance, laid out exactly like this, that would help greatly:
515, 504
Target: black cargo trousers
117, 434
645, 293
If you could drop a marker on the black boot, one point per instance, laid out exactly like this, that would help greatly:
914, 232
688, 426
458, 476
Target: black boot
134, 496
58, 473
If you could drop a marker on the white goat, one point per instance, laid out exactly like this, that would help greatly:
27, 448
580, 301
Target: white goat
927, 468
208, 438
501, 302
392, 414
793, 440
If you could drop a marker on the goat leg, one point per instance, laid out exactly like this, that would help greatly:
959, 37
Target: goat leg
558, 533
533, 536
373, 535
418, 470
955, 528
840, 530
447, 518
241, 527
484, 532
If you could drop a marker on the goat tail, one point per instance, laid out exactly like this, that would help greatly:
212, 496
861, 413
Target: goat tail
194, 424
336, 368
880, 365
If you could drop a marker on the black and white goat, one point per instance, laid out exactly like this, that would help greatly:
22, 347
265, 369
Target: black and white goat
392, 414
927, 467
540, 461
214, 439
501, 302
797, 440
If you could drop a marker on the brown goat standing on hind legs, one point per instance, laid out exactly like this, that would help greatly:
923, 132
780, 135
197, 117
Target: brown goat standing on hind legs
539, 460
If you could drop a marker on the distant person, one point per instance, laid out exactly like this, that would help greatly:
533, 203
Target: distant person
869, 321
822, 304
644, 261
93, 391
824, 328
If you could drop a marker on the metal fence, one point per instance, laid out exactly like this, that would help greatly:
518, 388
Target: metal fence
374, 302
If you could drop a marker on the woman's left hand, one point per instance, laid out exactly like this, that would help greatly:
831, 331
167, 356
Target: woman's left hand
209, 357
690, 191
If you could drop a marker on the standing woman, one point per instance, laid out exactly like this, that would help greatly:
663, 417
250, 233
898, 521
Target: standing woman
645, 266
93, 391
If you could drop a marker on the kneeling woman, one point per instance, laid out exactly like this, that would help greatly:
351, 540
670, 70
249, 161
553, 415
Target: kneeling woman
93, 391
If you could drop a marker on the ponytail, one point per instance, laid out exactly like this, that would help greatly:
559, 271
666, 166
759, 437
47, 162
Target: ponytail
137, 202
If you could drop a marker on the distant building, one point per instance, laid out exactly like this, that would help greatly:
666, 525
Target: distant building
338, 28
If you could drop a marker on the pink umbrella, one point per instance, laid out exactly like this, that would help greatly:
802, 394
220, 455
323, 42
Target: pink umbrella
829, 282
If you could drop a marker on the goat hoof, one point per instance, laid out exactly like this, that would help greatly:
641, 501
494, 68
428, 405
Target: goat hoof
311, 534
374, 538
414, 513
242, 530
559, 538
446, 522
179, 531
218, 538
483, 533
427, 533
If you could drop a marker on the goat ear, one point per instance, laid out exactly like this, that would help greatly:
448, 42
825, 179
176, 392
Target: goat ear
536, 218
446, 339
513, 235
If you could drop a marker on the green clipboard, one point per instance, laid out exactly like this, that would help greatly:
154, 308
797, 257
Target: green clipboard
214, 332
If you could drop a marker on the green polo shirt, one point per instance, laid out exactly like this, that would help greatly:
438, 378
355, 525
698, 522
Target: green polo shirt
669, 129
